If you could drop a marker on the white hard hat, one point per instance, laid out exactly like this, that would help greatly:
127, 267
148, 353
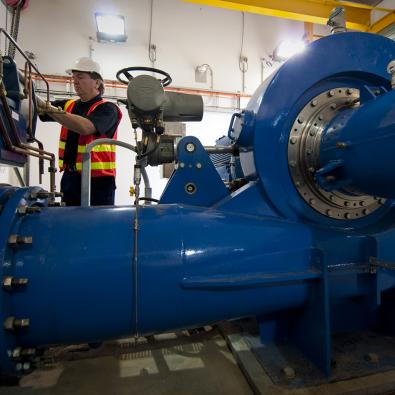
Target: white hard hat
85, 64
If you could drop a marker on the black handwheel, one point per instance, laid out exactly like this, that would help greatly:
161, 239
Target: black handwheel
126, 74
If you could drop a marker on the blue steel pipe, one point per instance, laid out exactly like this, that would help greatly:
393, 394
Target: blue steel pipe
240, 265
359, 143
92, 291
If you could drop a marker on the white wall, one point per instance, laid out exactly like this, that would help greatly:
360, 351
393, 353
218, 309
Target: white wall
376, 15
185, 34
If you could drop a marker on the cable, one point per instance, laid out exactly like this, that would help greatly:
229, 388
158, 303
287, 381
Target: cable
265, 63
149, 199
151, 151
242, 37
243, 60
16, 14
151, 47
243, 64
6, 28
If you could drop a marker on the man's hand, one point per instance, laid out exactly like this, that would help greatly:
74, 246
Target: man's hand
44, 107
76, 123
40, 102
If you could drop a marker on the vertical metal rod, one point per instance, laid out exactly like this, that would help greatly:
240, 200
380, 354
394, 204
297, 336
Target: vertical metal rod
26, 171
135, 269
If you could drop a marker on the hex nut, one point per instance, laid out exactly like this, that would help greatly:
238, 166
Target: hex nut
190, 188
288, 372
16, 353
372, 357
190, 147
9, 323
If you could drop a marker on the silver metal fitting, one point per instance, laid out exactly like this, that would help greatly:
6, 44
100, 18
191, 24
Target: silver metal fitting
372, 358
303, 157
22, 210
341, 145
45, 195
12, 323
337, 20
137, 175
16, 353
10, 283
391, 70
28, 352
190, 188
16, 239
190, 147
288, 372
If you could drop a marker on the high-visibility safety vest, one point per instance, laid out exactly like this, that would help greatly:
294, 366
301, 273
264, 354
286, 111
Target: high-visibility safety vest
102, 155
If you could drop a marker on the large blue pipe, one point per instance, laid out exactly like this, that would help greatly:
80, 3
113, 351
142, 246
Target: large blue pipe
84, 284
88, 280
362, 141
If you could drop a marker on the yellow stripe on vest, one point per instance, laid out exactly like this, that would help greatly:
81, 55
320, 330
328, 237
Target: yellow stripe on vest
98, 148
68, 104
98, 166
62, 144
60, 163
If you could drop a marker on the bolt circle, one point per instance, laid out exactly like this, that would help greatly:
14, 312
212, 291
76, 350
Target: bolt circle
303, 150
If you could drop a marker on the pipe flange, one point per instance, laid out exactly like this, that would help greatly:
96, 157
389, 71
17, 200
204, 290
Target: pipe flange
303, 157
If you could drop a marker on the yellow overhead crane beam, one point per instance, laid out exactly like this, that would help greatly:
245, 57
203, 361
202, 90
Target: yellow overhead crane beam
382, 23
313, 11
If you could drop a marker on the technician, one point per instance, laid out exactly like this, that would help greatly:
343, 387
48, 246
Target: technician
83, 121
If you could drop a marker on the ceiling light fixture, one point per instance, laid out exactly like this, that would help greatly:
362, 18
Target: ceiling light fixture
110, 28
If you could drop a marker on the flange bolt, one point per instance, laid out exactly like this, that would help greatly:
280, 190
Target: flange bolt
17, 239
9, 283
12, 323
341, 145
391, 70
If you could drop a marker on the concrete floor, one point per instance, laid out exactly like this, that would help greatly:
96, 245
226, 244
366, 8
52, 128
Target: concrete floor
200, 363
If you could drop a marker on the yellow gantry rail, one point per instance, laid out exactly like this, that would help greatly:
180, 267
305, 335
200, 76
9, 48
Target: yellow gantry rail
313, 11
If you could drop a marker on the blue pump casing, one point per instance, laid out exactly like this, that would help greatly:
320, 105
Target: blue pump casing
205, 253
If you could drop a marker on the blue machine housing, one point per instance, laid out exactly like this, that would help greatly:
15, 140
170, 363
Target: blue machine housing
14, 100
206, 254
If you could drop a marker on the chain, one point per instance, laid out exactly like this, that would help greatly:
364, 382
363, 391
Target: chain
16, 14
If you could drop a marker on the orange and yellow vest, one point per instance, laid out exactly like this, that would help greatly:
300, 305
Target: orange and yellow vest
102, 156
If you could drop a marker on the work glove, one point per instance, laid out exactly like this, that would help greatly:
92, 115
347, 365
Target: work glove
44, 107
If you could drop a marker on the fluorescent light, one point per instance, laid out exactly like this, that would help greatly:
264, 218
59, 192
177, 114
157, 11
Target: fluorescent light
288, 48
110, 28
